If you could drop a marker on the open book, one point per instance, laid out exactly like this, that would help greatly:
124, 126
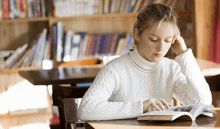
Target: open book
187, 112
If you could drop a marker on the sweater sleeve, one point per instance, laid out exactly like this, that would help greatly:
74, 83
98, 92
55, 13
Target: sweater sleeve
190, 85
95, 104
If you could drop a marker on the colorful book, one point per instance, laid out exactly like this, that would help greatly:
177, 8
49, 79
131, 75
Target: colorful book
67, 48
75, 46
1, 10
5, 4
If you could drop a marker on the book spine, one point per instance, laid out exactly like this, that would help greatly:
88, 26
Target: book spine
129, 44
132, 5
30, 58
5, 9
43, 10
100, 7
67, 49
137, 6
23, 9
75, 46
113, 44
42, 45
59, 41
54, 41
30, 9
12, 13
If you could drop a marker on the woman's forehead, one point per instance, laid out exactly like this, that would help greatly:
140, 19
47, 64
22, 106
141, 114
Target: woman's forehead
163, 30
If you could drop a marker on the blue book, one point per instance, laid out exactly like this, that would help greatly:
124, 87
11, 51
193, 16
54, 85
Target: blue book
105, 45
55, 41
129, 44
84, 84
101, 45
81, 45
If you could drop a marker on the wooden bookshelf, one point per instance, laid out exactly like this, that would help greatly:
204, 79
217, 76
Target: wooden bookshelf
16, 32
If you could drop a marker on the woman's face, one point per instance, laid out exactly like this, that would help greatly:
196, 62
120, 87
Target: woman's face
153, 44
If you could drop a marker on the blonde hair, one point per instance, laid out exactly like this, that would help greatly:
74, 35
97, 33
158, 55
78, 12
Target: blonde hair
152, 16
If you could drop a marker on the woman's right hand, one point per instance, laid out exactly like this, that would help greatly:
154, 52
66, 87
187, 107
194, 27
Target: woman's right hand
158, 104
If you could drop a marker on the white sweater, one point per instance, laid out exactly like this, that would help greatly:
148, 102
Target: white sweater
122, 85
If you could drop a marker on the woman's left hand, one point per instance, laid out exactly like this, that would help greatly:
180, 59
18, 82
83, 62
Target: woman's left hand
178, 45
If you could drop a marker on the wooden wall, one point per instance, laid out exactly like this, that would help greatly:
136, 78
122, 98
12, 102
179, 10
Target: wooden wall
204, 11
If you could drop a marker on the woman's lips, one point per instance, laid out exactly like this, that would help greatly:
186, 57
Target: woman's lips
157, 55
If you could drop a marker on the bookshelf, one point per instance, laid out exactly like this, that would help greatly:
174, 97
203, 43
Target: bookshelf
16, 32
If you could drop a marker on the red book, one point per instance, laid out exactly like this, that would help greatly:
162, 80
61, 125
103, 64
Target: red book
5, 9
23, 9
113, 43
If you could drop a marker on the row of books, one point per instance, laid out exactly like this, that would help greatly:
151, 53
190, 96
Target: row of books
67, 8
72, 46
29, 55
12, 9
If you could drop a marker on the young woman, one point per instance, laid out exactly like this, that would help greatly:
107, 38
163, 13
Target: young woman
144, 79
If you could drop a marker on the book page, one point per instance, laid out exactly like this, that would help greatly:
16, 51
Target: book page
166, 113
194, 110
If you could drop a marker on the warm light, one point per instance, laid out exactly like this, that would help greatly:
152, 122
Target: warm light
32, 126
4, 105
24, 97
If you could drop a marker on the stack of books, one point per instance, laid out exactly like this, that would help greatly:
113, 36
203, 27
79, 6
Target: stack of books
29, 55
72, 46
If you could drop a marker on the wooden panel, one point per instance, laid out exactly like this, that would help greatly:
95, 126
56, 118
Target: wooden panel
204, 10
99, 25
14, 35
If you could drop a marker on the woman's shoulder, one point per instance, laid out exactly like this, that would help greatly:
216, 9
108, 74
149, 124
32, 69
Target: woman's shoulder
117, 62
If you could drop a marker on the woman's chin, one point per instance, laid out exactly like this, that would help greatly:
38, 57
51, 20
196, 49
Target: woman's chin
157, 59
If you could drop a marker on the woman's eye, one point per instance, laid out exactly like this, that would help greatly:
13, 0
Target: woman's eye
153, 40
168, 41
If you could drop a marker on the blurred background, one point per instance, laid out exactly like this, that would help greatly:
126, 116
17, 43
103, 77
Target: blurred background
44, 34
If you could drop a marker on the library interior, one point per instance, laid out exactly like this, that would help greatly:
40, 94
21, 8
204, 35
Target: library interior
52, 50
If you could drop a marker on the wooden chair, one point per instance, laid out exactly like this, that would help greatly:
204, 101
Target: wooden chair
67, 94
71, 97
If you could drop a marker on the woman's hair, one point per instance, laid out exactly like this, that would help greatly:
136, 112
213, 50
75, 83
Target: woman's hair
152, 16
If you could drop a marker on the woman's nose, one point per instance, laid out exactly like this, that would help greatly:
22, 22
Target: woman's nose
160, 46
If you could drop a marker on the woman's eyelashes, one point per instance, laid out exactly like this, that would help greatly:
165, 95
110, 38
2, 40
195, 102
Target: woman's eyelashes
155, 40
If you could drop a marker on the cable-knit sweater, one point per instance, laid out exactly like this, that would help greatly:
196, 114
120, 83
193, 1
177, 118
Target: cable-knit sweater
122, 85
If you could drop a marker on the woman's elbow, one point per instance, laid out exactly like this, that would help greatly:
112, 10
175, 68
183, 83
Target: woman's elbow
81, 115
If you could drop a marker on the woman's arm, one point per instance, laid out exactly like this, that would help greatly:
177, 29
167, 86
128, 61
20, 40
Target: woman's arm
190, 85
95, 104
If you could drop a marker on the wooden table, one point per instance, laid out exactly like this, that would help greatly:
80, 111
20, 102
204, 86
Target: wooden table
205, 122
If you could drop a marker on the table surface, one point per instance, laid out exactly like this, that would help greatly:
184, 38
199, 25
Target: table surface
210, 122
85, 74
61, 75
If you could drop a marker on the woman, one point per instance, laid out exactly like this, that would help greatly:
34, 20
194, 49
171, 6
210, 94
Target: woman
144, 79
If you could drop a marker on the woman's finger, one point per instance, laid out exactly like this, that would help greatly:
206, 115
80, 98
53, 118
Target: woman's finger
155, 106
160, 105
165, 103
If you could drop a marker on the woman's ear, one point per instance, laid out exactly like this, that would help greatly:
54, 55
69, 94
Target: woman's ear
136, 35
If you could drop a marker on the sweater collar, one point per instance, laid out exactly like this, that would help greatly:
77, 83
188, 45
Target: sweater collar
141, 62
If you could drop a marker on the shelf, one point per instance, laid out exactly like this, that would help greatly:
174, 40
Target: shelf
111, 15
16, 70
24, 20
